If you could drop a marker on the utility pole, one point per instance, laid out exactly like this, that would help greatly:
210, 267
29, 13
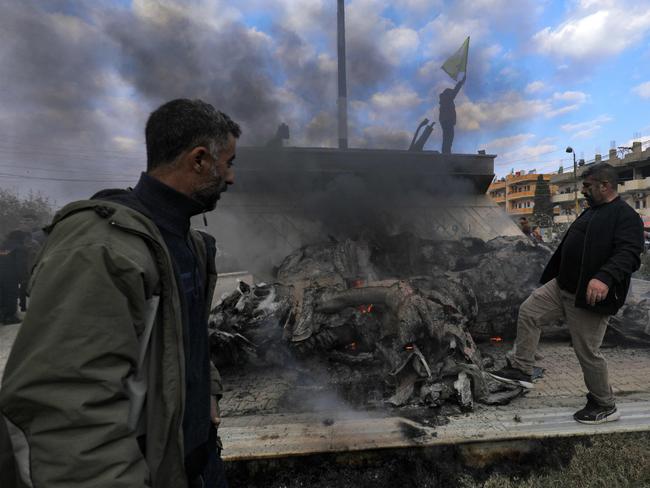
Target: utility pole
575, 180
343, 89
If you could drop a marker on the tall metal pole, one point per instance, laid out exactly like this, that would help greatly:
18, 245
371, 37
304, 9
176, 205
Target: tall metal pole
343, 88
575, 184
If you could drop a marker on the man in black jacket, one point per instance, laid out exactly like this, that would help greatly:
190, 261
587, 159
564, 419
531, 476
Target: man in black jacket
586, 281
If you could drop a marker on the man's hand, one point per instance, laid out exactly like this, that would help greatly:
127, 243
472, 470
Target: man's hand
596, 291
215, 413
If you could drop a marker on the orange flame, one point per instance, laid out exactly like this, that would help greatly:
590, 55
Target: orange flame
366, 308
496, 339
352, 346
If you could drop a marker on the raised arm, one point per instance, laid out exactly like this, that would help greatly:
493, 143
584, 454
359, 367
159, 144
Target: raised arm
459, 85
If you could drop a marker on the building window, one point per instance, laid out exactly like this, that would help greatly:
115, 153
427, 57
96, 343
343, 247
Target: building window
637, 204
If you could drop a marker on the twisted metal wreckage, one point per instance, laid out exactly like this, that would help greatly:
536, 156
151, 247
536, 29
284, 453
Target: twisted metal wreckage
396, 313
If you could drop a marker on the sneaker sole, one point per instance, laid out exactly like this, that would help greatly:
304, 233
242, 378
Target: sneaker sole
610, 418
524, 384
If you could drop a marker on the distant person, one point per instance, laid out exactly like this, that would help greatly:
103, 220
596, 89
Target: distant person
536, 234
8, 288
524, 225
35, 236
13, 270
109, 382
447, 115
586, 281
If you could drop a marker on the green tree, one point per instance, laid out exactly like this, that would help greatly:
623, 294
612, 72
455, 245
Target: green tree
14, 208
543, 206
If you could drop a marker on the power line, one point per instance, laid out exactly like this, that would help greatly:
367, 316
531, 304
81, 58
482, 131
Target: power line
527, 158
81, 180
19, 167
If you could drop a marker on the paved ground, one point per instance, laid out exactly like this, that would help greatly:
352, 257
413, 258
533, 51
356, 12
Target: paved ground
270, 391
262, 418
257, 424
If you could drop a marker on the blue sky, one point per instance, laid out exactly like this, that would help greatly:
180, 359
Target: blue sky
77, 79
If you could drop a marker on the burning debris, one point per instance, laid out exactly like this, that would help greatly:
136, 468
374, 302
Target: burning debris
393, 314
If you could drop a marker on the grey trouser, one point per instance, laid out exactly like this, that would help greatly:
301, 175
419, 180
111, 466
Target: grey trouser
549, 303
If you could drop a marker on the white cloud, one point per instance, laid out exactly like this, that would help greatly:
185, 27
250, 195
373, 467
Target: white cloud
446, 34
642, 90
584, 130
592, 35
570, 96
525, 156
535, 87
125, 143
418, 6
399, 43
562, 110
397, 98
303, 18
583, 125
509, 72
512, 107
216, 14
507, 142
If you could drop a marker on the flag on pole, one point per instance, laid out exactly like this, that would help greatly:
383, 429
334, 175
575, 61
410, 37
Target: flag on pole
457, 63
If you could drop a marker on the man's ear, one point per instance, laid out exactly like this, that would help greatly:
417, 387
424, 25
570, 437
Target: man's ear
196, 157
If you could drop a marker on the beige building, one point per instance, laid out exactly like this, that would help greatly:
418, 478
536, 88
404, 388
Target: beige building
634, 183
515, 193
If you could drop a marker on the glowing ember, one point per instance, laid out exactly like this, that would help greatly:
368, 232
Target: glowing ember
366, 308
496, 339
352, 346
409, 347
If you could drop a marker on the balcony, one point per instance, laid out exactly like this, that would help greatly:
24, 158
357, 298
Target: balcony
522, 178
520, 211
565, 197
497, 185
634, 185
521, 194
498, 199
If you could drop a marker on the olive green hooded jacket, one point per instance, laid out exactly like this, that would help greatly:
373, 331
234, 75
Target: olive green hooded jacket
82, 364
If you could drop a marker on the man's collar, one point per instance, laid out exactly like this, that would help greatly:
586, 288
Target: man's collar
169, 208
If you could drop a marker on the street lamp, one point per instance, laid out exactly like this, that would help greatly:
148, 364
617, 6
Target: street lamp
569, 149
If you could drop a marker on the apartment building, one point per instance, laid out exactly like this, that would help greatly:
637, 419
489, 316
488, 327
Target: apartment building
515, 193
634, 183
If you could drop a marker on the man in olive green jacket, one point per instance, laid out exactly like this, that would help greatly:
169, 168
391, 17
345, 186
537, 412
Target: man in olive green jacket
94, 391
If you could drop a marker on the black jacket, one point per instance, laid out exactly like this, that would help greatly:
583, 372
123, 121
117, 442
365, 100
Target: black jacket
612, 249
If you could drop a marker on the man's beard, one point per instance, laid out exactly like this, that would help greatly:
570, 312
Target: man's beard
209, 195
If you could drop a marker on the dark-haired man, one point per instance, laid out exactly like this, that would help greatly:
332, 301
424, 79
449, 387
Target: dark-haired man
586, 281
109, 381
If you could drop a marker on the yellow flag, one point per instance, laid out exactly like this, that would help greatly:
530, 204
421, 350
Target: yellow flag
457, 63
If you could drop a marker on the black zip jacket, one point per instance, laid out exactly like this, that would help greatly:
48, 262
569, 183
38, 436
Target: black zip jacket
611, 253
